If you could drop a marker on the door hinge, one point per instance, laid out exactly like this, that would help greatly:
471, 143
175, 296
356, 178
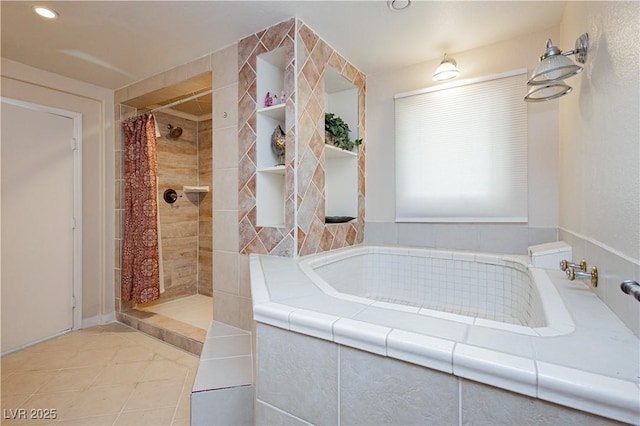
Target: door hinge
73, 223
73, 302
74, 144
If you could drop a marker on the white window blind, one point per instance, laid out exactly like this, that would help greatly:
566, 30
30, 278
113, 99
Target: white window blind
461, 152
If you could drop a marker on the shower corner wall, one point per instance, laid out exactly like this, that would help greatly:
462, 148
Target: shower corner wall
185, 224
185, 227
230, 276
205, 215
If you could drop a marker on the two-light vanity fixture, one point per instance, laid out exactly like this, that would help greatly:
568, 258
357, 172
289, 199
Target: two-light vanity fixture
547, 81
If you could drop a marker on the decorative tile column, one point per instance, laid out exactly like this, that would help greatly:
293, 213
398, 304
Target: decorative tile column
305, 231
253, 238
314, 236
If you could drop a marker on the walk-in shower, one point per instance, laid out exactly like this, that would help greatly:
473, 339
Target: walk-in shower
185, 224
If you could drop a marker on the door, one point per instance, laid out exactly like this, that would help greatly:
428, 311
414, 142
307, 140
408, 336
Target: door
36, 223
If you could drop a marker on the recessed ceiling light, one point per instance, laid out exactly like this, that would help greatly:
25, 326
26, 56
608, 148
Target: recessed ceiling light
45, 12
398, 5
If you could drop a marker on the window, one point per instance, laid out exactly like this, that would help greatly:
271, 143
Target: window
461, 152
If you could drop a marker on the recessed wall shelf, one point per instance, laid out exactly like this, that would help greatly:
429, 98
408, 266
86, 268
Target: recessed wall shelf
335, 152
270, 182
276, 170
274, 111
341, 167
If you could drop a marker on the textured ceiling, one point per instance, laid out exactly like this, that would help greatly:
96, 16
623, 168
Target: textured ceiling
115, 43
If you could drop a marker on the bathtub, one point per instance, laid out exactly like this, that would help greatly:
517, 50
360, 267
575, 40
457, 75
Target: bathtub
499, 292
487, 318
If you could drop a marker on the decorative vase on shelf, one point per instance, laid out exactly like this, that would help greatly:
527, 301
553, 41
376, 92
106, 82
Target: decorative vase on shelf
278, 142
328, 138
268, 100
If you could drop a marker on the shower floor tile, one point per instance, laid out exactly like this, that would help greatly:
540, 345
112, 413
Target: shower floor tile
196, 310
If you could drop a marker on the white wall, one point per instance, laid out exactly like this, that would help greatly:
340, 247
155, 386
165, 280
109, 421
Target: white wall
96, 104
600, 150
513, 54
600, 128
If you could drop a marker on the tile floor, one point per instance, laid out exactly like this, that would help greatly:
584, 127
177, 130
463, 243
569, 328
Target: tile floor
103, 375
196, 310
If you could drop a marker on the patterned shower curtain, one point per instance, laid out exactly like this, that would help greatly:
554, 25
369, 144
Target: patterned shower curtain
140, 270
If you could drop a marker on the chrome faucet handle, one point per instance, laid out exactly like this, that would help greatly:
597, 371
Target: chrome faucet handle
582, 266
572, 274
631, 288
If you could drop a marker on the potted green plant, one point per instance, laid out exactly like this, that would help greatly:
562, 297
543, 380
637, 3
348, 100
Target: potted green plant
337, 132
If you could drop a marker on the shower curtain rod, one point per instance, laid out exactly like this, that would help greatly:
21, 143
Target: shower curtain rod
190, 98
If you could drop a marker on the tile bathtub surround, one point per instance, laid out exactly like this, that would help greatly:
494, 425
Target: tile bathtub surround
223, 390
613, 268
297, 374
111, 375
500, 238
373, 389
487, 405
378, 390
593, 369
504, 291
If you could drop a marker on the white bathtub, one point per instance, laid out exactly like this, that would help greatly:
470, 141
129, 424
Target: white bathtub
499, 292
542, 336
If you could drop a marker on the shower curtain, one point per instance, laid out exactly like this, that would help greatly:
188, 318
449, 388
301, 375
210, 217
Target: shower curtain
140, 255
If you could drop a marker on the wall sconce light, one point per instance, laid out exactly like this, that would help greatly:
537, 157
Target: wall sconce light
447, 69
546, 81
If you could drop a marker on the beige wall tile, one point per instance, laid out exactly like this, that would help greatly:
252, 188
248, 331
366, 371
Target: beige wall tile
226, 195
225, 230
225, 266
225, 102
224, 64
225, 148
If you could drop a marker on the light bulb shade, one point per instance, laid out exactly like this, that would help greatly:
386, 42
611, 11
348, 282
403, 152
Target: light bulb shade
553, 69
547, 92
447, 70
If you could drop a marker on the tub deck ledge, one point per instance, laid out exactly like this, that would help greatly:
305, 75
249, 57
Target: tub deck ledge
594, 368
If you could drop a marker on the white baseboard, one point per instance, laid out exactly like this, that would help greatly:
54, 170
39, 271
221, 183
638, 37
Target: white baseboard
98, 320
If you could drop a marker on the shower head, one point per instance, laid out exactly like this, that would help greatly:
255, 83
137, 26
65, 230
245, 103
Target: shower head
174, 131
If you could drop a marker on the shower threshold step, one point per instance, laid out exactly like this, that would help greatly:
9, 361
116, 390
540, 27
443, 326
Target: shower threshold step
177, 333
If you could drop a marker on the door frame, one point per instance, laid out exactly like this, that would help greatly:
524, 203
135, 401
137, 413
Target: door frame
76, 145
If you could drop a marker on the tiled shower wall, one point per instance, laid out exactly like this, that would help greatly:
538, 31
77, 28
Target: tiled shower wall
304, 203
205, 208
186, 224
231, 293
178, 166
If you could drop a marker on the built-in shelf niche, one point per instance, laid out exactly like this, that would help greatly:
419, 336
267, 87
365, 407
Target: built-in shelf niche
270, 184
341, 167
